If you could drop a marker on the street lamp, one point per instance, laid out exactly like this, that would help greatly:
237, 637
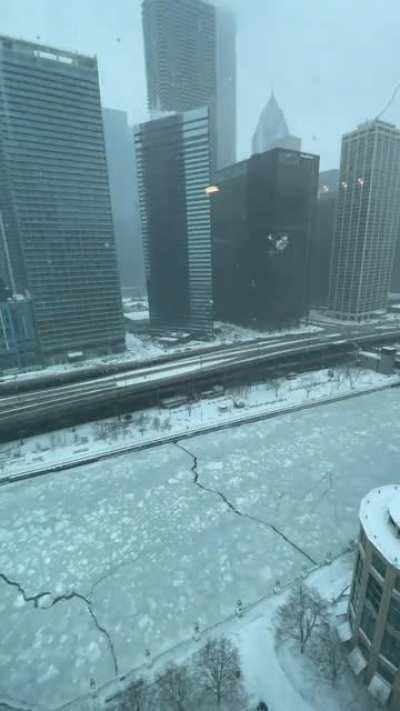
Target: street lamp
212, 190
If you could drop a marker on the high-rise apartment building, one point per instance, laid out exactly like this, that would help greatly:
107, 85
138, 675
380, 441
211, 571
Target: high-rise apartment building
121, 161
56, 223
262, 224
173, 157
367, 223
190, 53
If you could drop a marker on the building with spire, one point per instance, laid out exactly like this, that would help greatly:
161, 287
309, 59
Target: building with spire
272, 130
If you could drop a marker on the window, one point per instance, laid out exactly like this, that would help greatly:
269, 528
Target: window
391, 648
355, 597
394, 614
363, 647
379, 564
385, 672
368, 621
374, 593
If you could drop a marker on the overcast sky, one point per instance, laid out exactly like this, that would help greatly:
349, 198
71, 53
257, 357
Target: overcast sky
332, 63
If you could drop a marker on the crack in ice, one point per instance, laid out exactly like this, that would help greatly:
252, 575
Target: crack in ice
66, 597
236, 511
27, 598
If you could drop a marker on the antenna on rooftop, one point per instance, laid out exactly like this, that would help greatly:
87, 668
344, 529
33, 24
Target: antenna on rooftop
389, 103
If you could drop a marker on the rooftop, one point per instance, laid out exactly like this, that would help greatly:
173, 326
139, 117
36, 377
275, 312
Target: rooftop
45, 51
380, 518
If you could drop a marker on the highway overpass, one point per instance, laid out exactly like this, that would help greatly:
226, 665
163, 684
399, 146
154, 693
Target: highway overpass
143, 385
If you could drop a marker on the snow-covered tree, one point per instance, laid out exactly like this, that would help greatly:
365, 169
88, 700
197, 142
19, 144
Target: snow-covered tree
219, 673
326, 653
300, 616
174, 688
137, 697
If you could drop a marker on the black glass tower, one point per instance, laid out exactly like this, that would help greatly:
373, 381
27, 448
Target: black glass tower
173, 156
262, 221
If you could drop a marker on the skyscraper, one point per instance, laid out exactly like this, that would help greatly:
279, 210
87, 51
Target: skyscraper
54, 197
272, 130
121, 161
367, 223
173, 156
262, 224
190, 53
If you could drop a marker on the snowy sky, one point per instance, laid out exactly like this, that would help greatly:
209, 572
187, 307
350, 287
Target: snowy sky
333, 63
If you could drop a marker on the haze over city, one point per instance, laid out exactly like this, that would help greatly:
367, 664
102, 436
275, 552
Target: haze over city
332, 64
199, 355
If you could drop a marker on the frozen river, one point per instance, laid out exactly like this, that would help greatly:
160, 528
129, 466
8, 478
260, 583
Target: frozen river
102, 562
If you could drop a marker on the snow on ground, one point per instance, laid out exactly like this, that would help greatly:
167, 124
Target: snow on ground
284, 678
152, 553
142, 347
99, 437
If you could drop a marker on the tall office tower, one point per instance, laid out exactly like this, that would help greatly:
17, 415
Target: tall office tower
322, 237
121, 161
272, 130
55, 205
262, 223
367, 224
190, 53
173, 156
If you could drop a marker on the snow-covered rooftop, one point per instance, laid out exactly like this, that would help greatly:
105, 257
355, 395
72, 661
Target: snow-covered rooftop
380, 518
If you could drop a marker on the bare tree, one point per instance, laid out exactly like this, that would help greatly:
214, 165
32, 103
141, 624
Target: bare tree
300, 616
219, 672
156, 423
326, 653
174, 688
136, 697
309, 385
276, 385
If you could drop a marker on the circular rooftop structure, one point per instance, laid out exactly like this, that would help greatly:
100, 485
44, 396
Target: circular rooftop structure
380, 519
394, 513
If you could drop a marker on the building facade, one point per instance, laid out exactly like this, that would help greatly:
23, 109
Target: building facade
121, 162
173, 156
190, 54
19, 347
367, 224
55, 205
374, 609
395, 285
322, 237
262, 223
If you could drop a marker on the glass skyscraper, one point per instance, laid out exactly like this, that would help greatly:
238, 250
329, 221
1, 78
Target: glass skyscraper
54, 197
173, 157
190, 53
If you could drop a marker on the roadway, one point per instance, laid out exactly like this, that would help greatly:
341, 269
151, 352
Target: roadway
102, 396
82, 459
